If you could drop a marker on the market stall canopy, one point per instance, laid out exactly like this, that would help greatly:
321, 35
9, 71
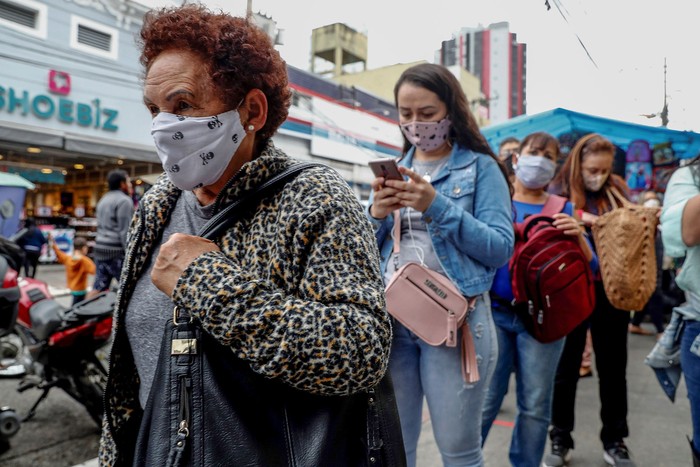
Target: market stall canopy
10, 179
559, 121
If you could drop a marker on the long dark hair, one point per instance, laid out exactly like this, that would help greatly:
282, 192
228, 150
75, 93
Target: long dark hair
464, 130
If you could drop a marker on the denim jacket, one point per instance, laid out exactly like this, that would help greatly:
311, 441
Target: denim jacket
469, 221
665, 357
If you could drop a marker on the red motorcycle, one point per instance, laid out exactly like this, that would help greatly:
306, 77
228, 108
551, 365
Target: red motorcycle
53, 346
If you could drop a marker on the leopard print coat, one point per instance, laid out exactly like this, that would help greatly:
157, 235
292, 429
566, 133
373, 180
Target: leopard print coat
295, 290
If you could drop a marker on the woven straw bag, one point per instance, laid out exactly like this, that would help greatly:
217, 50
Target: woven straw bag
624, 239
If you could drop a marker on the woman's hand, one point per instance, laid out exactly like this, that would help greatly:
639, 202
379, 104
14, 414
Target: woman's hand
390, 195
174, 257
569, 225
588, 218
416, 193
385, 200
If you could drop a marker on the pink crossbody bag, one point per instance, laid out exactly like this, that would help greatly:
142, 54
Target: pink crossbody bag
431, 307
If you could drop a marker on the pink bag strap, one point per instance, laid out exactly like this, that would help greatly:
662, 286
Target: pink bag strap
397, 231
554, 205
470, 367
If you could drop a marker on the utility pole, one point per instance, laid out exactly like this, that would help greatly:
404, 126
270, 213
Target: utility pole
664, 111
249, 10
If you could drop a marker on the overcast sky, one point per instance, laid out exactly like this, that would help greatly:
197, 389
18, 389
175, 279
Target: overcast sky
627, 40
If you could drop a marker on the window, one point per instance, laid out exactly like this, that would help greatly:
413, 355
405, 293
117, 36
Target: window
26, 16
94, 38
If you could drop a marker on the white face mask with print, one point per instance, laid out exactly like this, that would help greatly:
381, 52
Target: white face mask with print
195, 151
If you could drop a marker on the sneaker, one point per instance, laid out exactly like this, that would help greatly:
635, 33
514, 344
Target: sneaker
559, 456
618, 455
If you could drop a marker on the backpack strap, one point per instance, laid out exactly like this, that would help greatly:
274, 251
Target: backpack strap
554, 205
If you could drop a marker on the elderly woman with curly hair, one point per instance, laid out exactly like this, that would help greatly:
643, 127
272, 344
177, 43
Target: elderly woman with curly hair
293, 288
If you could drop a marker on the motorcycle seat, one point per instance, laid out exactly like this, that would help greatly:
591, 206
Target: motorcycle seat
99, 305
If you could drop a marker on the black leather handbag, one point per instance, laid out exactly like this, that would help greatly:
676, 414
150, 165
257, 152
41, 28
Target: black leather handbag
207, 407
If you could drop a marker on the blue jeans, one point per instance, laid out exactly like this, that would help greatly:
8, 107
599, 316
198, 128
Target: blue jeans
419, 369
535, 365
105, 271
690, 363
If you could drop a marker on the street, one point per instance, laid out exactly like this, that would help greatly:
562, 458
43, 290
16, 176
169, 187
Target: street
62, 434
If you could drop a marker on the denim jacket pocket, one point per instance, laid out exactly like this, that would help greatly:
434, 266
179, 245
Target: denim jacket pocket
460, 187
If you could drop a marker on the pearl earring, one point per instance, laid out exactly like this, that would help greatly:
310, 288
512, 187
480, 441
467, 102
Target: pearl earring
251, 128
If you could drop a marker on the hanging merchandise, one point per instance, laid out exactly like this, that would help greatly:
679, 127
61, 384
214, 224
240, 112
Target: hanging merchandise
665, 163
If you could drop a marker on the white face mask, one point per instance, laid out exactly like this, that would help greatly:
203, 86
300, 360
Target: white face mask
534, 171
195, 151
652, 203
595, 183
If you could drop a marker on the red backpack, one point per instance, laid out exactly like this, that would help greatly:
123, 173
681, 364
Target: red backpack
551, 278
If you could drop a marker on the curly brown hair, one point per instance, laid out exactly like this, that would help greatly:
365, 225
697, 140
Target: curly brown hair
241, 56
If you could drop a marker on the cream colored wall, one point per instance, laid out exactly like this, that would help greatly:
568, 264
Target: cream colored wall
381, 81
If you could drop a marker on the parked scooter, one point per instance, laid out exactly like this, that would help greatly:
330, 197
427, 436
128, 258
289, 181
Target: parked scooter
9, 301
9, 426
55, 346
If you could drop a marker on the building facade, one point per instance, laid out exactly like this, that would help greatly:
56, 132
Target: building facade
495, 56
71, 108
381, 82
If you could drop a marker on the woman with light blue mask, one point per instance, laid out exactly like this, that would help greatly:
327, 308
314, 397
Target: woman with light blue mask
534, 363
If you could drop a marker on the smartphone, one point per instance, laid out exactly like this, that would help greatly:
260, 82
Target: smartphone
387, 168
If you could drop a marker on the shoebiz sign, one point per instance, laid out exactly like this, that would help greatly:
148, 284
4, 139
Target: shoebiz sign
56, 105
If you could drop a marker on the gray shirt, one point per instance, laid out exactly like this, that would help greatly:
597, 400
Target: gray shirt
113, 212
149, 308
415, 245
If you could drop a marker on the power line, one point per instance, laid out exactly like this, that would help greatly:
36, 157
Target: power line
559, 6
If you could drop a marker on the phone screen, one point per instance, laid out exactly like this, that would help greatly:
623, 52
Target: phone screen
386, 168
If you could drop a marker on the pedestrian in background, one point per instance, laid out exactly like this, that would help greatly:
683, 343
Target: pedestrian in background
456, 219
533, 362
78, 266
584, 179
508, 147
113, 212
32, 241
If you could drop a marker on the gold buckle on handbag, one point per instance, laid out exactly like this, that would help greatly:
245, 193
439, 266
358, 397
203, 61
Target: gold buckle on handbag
182, 346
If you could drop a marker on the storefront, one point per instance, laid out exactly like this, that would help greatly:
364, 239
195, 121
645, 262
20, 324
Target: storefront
65, 132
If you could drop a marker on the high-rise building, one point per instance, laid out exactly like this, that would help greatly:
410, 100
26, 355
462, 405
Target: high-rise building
495, 56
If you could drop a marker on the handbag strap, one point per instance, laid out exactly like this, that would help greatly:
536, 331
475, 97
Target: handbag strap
218, 224
616, 198
397, 231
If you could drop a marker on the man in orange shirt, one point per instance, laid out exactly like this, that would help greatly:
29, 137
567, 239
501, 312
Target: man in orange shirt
77, 267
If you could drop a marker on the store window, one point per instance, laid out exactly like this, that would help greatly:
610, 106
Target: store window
94, 38
26, 16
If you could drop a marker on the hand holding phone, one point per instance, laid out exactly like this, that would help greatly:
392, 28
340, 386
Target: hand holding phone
386, 168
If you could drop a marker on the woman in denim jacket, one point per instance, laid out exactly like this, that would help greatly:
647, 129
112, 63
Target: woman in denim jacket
456, 220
